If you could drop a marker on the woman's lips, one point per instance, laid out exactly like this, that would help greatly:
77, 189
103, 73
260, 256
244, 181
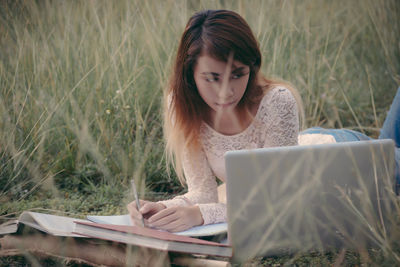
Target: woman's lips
224, 105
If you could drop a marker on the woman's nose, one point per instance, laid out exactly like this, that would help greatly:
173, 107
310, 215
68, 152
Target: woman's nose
227, 92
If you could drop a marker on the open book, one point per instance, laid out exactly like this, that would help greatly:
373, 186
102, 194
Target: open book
64, 226
119, 229
151, 238
48, 223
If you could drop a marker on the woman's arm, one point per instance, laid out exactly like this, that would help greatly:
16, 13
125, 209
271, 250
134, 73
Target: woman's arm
281, 119
202, 189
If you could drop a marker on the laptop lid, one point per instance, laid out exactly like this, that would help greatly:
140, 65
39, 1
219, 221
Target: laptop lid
302, 198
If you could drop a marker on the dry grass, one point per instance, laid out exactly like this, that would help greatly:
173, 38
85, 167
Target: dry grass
81, 83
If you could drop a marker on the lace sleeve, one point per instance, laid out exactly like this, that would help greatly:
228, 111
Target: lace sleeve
281, 118
201, 182
202, 189
213, 212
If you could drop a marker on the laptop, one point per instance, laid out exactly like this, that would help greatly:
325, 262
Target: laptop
310, 198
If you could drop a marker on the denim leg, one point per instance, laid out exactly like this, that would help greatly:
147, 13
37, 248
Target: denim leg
340, 135
391, 126
391, 130
397, 169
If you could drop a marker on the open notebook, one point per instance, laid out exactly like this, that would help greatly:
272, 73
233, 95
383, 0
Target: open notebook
197, 231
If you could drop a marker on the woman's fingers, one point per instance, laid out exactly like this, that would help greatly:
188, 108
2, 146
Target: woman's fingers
174, 226
171, 219
151, 208
133, 210
135, 215
147, 209
162, 213
163, 217
176, 218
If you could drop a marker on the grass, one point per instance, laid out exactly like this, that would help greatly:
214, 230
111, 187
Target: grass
81, 84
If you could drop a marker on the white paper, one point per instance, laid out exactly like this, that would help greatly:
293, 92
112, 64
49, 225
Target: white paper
202, 230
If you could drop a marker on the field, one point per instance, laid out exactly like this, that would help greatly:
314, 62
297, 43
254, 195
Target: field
81, 84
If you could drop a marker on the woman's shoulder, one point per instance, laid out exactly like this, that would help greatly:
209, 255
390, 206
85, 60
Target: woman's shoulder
277, 104
277, 96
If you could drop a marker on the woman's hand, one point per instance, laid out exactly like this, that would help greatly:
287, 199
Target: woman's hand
176, 219
147, 209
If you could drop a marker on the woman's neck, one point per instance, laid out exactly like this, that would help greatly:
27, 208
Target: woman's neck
232, 122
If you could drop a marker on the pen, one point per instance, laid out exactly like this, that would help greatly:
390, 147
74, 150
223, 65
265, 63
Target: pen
135, 194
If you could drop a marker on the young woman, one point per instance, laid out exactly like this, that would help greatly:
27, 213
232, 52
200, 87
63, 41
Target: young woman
217, 101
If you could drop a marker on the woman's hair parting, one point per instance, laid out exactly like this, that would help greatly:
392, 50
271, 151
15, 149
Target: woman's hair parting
219, 34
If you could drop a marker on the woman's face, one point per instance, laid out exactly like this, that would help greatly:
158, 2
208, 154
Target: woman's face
220, 84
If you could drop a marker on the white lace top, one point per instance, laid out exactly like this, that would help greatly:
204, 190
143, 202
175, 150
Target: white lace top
276, 123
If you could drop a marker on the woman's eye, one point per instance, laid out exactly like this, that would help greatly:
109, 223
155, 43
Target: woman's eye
214, 78
211, 79
237, 76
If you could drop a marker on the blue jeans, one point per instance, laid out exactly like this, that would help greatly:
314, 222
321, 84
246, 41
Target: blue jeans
390, 130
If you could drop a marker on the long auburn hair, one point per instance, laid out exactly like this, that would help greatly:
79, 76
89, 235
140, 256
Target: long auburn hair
219, 34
